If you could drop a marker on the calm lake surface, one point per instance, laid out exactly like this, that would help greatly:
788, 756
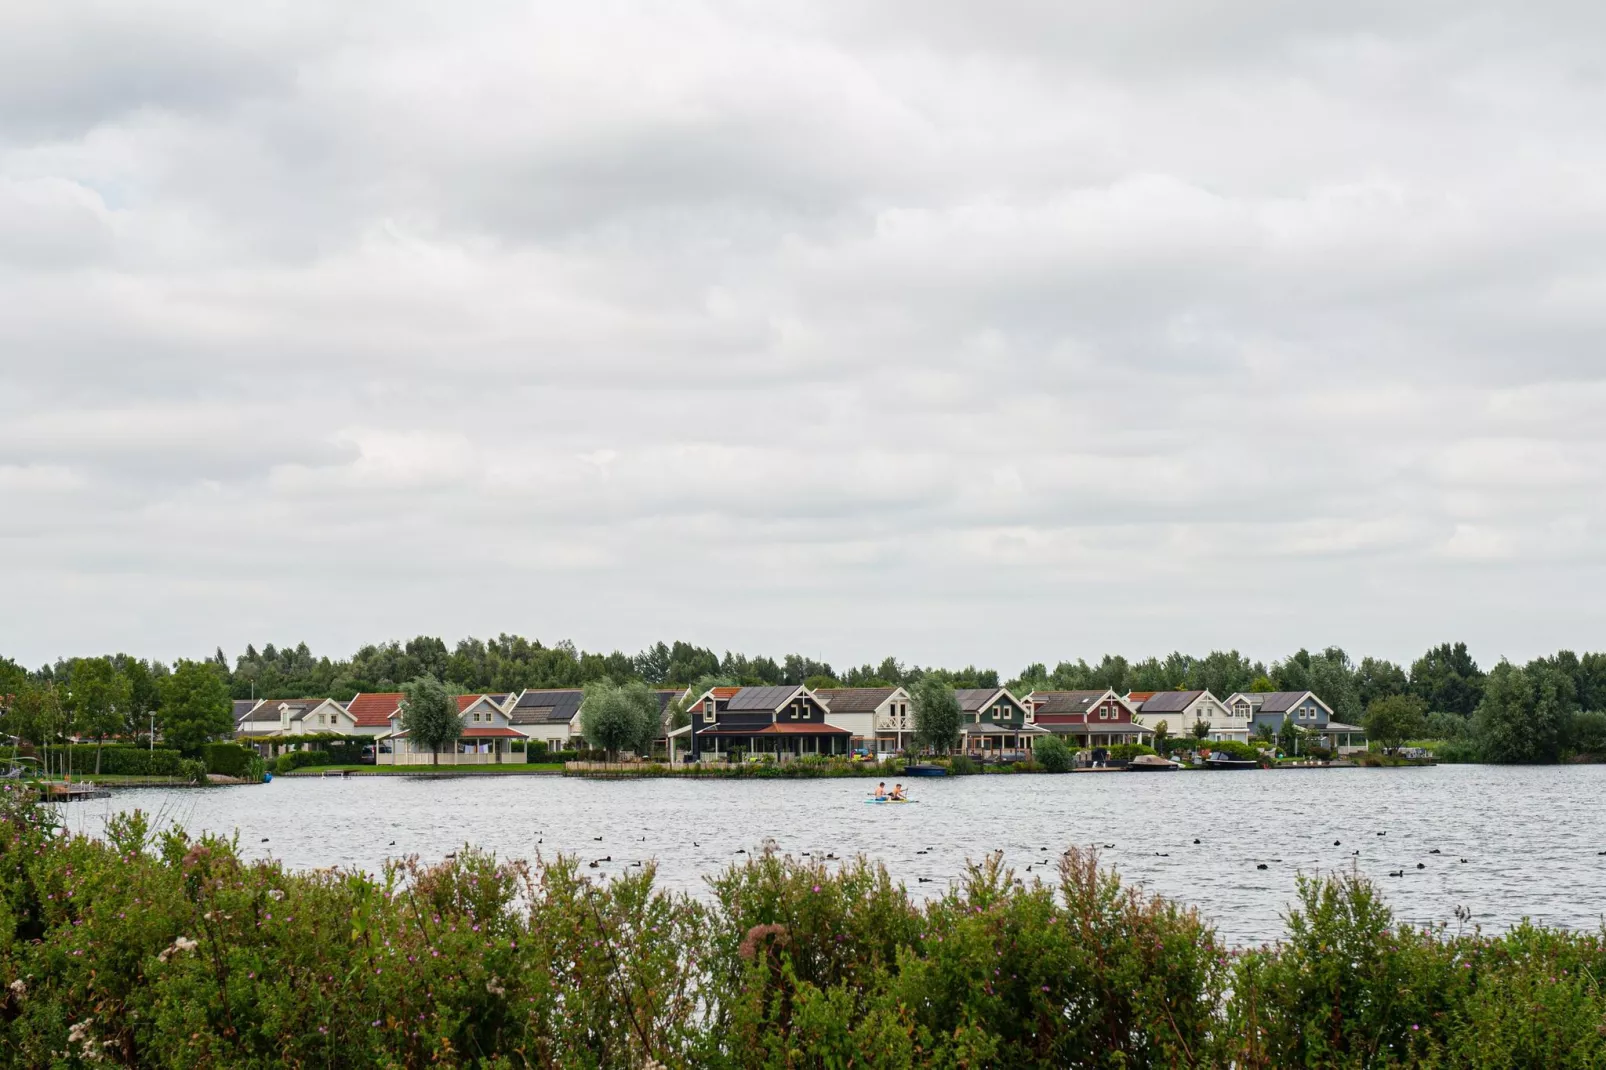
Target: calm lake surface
1531, 837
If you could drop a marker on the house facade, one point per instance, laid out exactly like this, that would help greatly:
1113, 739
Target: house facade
1269, 709
994, 724
784, 721
1180, 711
548, 714
1090, 719
294, 717
487, 738
879, 717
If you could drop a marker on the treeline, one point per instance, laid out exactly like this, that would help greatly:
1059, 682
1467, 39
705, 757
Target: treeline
153, 949
1541, 711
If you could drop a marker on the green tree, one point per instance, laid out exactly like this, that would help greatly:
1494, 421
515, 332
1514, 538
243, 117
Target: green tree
1052, 753
1201, 729
1446, 678
144, 692
195, 705
1262, 685
429, 715
937, 718
97, 701
1393, 719
615, 717
36, 715
1162, 738
1524, 713
1288, 739
1377, 678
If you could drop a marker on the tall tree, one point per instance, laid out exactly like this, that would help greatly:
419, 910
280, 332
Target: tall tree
1446, 678
937, 718
1393, 719
98, 701
1377, 678
195, 705
1524, 714
615, 717
429, 715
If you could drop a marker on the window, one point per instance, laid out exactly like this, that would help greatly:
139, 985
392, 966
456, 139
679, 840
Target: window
708, 710
793, 711
1104, 713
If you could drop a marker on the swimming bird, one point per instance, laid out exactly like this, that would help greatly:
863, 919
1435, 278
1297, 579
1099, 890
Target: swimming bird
594, 864
920, 852
451, 856
1108, 846
1382, 833
1435, 851
1195, 841
635, 864
264, 839
1028, 869
1463, 861
830, 857
598, 839
1262, 865
1336, 843
1396, 872
694, 843
1162, 854
741, 850
392, 843
1421, 865
924, 880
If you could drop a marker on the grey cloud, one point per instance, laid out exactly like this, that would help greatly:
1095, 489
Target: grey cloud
858, 329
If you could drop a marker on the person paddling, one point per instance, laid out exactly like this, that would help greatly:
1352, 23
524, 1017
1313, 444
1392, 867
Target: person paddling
897, 793
881, 790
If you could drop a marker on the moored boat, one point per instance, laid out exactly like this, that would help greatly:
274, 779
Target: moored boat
1226, 762
924, 769
1150, 763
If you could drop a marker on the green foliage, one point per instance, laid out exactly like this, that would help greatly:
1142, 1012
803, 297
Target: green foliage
936, 712
152, 948
195, 706
193, 770
114, 760
1586, 733
1446, 678
1393, 719
1242, 752
1053, 754
1524, 713
227, 759
1262, 685
1125, 752
291, 760
962, 765
617, 718
98, 698
429, 715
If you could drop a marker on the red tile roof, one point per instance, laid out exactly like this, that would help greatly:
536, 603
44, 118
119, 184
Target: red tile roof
1140, 696
485, 732
373, 710
779, 730
465, 701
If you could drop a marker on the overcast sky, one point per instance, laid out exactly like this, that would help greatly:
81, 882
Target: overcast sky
961, 332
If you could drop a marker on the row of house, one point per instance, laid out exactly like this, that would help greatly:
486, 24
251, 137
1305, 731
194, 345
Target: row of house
792, 721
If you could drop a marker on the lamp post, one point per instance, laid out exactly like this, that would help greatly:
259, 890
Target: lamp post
153, 731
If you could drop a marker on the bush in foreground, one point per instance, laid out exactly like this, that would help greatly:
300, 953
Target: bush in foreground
154, 949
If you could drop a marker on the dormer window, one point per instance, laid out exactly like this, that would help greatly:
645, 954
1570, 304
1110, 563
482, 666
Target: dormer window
708, 710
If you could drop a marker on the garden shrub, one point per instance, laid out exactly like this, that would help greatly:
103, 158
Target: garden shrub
115, 759
227, 759
1242, 752
565, 756
301, 759
152, 948
1053, 754
1125, 752
962, 765
193, 770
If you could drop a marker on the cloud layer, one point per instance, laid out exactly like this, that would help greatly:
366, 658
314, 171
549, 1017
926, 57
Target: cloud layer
850, 329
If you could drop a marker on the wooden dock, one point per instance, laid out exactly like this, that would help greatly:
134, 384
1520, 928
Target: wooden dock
58, 791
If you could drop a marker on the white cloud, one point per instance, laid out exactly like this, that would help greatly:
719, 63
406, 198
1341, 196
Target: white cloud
850, 328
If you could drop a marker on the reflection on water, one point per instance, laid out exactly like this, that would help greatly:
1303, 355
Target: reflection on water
1529, 837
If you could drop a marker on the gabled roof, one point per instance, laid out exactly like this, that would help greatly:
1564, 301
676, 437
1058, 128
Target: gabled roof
766, 699
1068, 702
268, 709
373, 709
1280, 701
1166, 701
972, 699
546, 705
855, 699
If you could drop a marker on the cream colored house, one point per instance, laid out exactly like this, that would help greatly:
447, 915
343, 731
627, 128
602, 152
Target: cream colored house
486, 740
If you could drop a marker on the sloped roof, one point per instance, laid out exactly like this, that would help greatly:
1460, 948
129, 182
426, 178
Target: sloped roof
1062, 702
854, 699
972, 699
1168, 701
761, 698
268, 709
373, 709
1279, 701
546, 705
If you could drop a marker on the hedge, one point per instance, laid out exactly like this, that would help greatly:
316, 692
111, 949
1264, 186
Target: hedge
227, 759
116, 759
298, 759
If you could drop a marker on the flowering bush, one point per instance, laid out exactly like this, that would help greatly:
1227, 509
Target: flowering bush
151, 948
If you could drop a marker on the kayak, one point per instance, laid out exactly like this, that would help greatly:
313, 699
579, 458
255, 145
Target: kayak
873, 801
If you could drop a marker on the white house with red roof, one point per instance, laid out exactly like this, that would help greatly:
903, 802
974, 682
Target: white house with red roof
371, 712
486, 740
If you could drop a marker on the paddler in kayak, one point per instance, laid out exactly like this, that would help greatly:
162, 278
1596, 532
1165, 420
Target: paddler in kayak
881, 790
898, 794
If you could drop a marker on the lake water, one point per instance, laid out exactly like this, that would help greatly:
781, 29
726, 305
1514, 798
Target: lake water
1531, 838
